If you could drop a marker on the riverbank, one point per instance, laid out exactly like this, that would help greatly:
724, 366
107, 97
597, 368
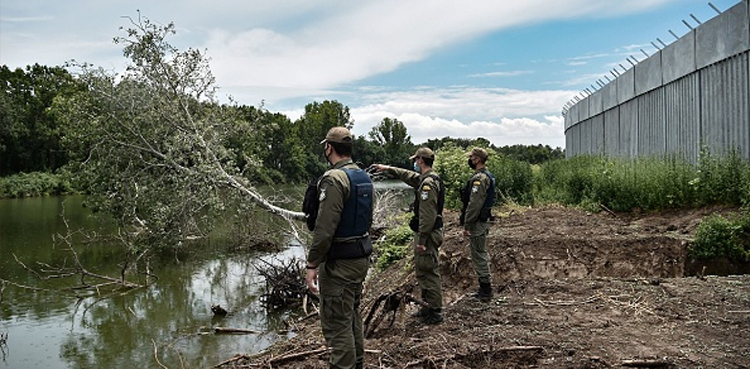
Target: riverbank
36, 184
578, 290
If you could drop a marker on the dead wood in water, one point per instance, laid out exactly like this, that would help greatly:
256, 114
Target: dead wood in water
285, 284
227, 330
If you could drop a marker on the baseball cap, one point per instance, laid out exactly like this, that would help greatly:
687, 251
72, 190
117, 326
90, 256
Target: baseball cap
423, 152
338, 134
478, 151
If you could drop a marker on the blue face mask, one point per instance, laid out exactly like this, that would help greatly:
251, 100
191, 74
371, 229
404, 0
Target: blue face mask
416, 167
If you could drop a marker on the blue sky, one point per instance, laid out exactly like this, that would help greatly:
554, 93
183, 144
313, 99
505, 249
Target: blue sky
496, 69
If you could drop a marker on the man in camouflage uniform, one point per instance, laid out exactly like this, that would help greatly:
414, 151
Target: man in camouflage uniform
478, 197
337, 260
427, 223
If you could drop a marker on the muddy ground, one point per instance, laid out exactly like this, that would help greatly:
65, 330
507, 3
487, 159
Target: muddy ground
577, 290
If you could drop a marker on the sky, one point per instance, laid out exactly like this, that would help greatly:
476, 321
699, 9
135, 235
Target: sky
498, 69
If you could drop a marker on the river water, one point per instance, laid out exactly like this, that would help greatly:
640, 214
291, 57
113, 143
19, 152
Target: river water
170, 320
50, 329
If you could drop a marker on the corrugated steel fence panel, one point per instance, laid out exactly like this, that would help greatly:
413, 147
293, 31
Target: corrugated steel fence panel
597, 135
629, 129
612, 132
682, 117
724, 106
651, 135
704, 99
584, 147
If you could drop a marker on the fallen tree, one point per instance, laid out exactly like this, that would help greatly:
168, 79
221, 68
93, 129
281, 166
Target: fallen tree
151, 143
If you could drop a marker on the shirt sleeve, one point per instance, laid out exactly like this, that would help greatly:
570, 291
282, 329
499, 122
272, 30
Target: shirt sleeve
331, 196
477, 195
428, 202
409, 177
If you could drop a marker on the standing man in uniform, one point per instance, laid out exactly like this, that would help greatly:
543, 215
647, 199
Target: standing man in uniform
337, 260
427, 224
478, 197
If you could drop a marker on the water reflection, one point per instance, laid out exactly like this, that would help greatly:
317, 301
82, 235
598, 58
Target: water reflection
49, 329
176, 319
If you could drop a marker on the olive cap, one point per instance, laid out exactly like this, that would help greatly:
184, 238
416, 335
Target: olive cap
423, 152
339, 135
479, 152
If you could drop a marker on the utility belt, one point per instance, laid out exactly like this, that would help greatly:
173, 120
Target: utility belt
352, 249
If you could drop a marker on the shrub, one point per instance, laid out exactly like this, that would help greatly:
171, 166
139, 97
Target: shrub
34, 184
513, 178
718, 236
395, 246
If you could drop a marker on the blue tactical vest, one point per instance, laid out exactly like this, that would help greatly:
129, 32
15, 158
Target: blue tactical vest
490, 200
356, 216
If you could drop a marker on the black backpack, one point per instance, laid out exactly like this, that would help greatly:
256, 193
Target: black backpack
310, 204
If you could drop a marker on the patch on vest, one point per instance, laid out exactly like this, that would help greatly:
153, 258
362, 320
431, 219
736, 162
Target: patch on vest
426, 188
322, 194
475, 189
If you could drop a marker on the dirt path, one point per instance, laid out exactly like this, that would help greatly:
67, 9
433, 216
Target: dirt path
579, 290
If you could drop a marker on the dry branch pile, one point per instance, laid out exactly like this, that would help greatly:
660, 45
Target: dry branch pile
285, 284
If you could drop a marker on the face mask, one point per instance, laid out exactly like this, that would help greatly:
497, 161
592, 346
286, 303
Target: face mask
471, 164
416, 167
326, 154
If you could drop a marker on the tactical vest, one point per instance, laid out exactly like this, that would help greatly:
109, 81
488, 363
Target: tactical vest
414, 222
357, 213
486, 213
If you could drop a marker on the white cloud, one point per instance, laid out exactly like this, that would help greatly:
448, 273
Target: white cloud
504, 131
503, 116
357, 42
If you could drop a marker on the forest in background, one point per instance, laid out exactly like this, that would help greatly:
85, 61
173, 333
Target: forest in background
270, 147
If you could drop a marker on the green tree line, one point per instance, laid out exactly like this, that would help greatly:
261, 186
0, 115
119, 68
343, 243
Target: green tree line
268, 147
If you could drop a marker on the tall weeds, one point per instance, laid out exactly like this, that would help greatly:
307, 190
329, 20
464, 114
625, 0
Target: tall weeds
644, 184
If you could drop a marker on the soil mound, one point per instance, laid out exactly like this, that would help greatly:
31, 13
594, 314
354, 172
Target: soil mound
572, 290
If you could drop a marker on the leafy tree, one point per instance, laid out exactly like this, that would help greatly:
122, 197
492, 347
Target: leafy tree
312, 127
266, 151
392, 135
367, 152
29, 135
534, 154
153, 145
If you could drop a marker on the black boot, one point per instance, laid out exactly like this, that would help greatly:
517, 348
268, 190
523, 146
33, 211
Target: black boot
484, 292
434, 316
421, 313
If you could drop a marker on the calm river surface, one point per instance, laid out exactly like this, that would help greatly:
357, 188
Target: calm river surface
55, 330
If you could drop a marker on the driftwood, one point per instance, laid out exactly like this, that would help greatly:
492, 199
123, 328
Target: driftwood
426, 360
232, 359
646, 363
285, 284
300, 355
294, 356
226, 330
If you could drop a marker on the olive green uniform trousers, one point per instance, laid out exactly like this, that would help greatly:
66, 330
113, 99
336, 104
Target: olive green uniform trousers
427, 270
340, 283
478, 245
